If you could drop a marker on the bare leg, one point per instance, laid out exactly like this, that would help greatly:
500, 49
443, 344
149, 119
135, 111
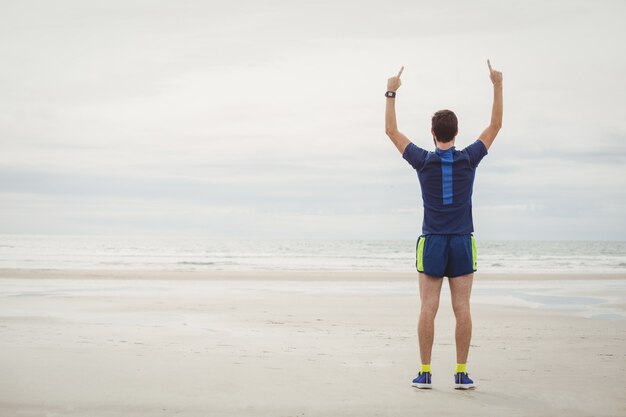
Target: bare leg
460, 289
430, 289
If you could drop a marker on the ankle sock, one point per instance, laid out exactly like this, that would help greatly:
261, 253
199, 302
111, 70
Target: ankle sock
425, 368
460, 367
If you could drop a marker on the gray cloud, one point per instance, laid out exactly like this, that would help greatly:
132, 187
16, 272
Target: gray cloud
265, 119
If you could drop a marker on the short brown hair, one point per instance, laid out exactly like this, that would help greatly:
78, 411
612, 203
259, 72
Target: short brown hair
445, 125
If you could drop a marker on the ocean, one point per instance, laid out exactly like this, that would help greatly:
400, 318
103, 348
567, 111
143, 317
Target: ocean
205, 254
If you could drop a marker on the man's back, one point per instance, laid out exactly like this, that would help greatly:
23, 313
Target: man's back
446, 178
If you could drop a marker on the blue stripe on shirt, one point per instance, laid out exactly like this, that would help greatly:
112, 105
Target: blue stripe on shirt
446, 177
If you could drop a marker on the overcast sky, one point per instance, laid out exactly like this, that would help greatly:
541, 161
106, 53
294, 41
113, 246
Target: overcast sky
265, 119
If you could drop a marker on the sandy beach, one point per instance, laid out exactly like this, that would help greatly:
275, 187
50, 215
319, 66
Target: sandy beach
147, 343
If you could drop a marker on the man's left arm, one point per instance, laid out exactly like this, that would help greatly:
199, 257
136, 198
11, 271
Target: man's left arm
391, 126
490, 133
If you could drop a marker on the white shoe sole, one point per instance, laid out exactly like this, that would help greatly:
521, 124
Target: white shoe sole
423, 386
464, 386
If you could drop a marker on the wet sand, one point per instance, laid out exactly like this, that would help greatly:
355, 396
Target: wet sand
142, 343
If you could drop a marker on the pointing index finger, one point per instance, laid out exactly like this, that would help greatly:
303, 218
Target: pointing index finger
489, 63
400, 73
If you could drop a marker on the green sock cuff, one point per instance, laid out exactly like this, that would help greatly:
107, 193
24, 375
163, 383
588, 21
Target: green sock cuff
425, 368
460, 367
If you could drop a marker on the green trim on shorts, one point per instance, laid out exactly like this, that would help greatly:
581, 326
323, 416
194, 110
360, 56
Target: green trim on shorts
474, 253
419, 264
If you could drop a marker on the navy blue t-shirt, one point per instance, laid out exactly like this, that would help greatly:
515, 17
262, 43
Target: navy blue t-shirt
447, 179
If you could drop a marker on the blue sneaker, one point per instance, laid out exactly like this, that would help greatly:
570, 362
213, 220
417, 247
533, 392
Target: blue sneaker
462, 381
423, 380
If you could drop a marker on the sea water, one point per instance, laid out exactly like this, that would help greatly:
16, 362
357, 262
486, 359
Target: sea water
194, 253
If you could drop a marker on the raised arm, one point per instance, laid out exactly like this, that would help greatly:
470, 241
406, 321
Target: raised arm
490, 133
391, 127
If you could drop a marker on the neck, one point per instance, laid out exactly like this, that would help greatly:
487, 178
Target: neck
444, 146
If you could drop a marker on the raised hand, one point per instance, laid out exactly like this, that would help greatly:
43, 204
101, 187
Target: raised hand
490, 133
496, 76
394, 83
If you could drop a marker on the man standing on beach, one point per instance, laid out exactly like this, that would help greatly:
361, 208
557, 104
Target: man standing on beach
446, 246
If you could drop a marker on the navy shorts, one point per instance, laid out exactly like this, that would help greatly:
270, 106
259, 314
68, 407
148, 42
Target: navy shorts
446, 255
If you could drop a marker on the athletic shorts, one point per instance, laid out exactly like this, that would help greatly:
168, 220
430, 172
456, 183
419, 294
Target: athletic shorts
446, 255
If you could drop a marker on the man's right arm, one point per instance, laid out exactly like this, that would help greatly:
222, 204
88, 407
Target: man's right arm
391, 126
490, 133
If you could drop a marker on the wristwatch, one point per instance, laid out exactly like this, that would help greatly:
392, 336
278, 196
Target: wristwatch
390, 94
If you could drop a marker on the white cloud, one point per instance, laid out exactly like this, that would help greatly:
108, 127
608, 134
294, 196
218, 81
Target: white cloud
201, 111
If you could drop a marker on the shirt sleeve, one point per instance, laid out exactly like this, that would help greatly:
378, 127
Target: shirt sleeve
476, 152
415, 155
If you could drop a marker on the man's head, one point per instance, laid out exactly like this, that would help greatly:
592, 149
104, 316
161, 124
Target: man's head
444, 126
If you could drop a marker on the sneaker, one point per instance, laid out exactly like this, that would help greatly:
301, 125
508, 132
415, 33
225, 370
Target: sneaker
462, 381
423, 380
